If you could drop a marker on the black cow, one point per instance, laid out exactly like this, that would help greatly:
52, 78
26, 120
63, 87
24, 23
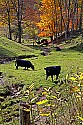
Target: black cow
58, 48
23, 63
52, 70
44, 41
38, 42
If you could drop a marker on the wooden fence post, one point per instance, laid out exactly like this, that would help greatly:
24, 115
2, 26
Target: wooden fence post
24, 114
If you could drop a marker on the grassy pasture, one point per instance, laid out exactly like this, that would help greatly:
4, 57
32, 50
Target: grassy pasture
69, 59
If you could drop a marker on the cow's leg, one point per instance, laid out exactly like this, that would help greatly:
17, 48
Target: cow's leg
16, 67
56, 77
25, 67
52, 77
46, 77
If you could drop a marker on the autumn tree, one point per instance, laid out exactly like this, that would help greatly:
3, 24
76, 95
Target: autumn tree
81, 13
11, 14
48, 18
61, 16
7, 15
31, 17
52, 17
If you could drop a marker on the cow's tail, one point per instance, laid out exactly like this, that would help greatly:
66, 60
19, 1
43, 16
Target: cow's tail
16, 64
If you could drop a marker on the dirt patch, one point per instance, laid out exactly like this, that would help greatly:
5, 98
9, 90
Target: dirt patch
4, 60
46, 51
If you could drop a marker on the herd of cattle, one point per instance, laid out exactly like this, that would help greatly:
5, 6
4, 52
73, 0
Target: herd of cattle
50, 71
43, 42
46, 42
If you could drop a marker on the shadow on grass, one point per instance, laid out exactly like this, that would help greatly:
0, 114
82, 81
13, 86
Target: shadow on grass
37, 47
78, 47
6, 53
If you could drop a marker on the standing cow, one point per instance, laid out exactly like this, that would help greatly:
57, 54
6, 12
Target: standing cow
23, 63
52, 70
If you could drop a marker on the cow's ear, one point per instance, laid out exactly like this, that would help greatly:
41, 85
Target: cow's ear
45, 68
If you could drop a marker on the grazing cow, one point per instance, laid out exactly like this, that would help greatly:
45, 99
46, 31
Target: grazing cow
44, 41
58, 48
52, 70
23, 63
38, 42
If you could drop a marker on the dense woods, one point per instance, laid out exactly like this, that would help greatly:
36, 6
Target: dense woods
37, 18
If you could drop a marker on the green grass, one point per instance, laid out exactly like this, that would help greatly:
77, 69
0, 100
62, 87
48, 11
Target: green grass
69, 59
9, 48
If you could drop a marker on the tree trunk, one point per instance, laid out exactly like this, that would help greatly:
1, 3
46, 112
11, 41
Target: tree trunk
19, 31
19, 17
67, 31
73, 17
60, 5
9, 24
81, 16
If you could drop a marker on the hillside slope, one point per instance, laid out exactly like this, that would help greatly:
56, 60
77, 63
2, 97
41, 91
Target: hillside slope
9, 48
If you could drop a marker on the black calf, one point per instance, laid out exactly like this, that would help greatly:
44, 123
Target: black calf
52, 70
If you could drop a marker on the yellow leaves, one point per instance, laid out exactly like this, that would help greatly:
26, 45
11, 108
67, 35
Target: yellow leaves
76, 81
44, 93
42, 102
77, 78
45, 89
54, 97
81, 76
67, 76
31, 86
27, 110
45, 114
75, 89
49, 105
51, 97
79, 97
80, 118
34, 99
72, 78
27, 91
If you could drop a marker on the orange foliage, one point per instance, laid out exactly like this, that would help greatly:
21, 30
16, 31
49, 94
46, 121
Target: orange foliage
53, 13
5, 9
